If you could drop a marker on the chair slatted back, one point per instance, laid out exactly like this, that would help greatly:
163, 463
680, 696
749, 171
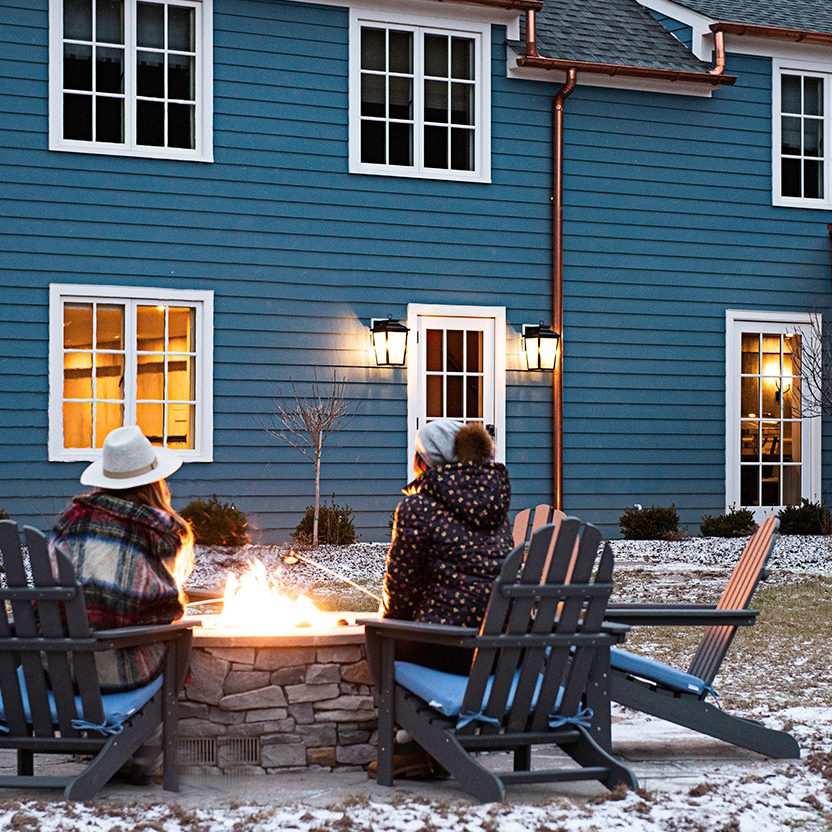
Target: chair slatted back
742, 584
49, 638
533, 618
527, 521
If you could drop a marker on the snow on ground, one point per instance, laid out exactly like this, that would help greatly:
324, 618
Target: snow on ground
766, 798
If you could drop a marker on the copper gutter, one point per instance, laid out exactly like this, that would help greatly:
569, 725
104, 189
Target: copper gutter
558, 108
714, 76
514, 5
772, 32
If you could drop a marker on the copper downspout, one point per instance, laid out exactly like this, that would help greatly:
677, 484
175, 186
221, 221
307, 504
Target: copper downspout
558, 109
531, 35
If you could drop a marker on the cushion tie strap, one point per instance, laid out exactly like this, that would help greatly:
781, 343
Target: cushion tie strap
109, 728
582, 719
467, 718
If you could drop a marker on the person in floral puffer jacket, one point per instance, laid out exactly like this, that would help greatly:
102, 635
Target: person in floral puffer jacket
451, 532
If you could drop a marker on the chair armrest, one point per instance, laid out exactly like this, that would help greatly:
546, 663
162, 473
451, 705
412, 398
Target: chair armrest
148, 634
398, 630
617, 606
615, 628
696, 617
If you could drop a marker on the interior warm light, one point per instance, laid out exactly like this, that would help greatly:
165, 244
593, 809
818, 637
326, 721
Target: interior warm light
389, 341
540, 345
255, 602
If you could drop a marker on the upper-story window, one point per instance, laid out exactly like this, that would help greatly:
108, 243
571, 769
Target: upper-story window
129, 77
419, 99
801, 163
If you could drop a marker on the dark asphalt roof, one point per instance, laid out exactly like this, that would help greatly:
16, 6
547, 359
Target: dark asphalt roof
609, 31
809, 15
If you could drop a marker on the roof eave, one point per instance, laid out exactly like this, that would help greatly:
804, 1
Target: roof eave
511, 5
771, 32
671, 75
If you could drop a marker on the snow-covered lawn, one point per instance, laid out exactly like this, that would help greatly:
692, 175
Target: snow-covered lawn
777, 671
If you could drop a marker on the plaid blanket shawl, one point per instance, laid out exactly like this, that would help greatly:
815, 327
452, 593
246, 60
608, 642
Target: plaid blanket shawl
117, 548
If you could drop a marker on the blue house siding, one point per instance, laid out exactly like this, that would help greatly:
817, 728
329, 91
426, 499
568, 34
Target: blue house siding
299, 253
668, 223
682, 32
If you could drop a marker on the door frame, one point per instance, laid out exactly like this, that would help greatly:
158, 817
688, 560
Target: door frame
811, 427
443, 310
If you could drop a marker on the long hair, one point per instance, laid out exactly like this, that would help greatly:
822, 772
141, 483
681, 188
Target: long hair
157, 495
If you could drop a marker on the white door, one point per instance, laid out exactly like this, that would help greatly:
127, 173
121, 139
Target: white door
456, 370
773, 457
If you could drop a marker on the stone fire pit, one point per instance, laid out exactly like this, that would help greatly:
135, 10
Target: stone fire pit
263, 703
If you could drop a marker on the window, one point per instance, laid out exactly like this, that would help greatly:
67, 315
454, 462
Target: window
773, 449
131, 77
801, 137
129, 356
419, 99
457, 370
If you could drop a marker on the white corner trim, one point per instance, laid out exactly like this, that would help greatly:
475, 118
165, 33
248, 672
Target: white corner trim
203, 299
204, 84
495, 313
615, 82
481, 32
812, 427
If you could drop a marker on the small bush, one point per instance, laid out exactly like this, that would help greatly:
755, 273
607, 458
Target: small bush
738, 522
217, 524
655, 523
807, 518
335, 526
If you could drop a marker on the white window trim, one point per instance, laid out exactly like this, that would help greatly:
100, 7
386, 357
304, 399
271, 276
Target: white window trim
204, 117
498, 315
812, 426
778, 67
481, 31
204, 421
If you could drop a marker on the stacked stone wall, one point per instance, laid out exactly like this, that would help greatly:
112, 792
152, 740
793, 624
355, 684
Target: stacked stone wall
302, 706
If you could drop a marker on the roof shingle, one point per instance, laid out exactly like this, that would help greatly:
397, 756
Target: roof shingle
807, 15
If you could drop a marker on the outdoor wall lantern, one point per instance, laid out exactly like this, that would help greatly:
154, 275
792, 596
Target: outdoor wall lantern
389, 341
540, 344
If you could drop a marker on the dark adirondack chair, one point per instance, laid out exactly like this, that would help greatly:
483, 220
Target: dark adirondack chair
51, 698
663, 691
538, 677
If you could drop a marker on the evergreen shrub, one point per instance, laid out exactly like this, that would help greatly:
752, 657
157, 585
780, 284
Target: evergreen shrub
335, 526
217, 524
737, 522
807, 518
654, 523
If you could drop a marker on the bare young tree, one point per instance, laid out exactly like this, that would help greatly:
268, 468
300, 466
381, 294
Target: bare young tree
814, 365
306, 424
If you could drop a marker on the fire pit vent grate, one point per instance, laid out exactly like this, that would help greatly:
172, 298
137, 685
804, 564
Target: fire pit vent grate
197, 751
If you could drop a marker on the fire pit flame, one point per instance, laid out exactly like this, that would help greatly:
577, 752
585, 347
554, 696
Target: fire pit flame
256, 603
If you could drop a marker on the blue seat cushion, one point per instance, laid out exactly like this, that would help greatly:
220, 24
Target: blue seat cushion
118, 707
445, 691
653, 671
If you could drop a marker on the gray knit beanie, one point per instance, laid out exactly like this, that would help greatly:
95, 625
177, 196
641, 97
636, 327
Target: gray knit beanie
435, 441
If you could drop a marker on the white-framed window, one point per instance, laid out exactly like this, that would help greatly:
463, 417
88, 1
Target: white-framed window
801, 101
131, 77
122, 355
456, 368
419, 97
772, 448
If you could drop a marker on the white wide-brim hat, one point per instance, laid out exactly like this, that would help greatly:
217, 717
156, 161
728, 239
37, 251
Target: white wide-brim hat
128, 460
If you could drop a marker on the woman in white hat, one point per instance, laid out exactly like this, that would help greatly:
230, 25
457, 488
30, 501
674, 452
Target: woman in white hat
131, 551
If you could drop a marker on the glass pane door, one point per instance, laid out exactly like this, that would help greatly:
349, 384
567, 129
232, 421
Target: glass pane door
455, 369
